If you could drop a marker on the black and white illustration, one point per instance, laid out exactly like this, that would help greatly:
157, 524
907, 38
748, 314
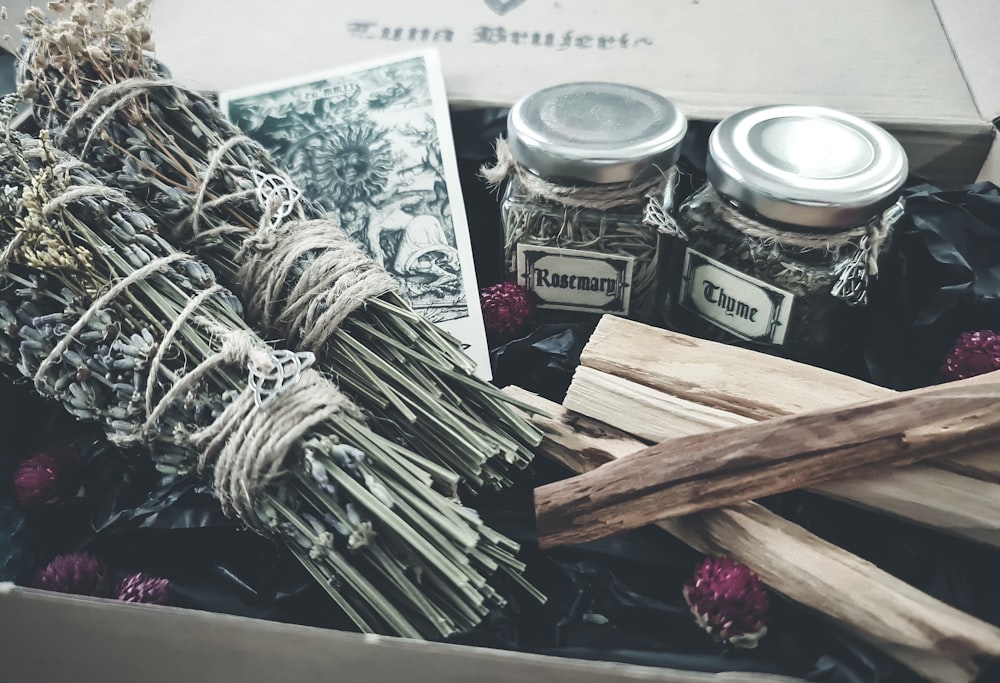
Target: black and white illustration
372, 144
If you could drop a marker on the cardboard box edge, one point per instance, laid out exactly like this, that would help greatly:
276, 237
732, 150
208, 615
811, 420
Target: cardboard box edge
47, 637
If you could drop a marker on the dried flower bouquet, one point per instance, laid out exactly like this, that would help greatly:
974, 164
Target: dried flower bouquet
218, 194
101, 314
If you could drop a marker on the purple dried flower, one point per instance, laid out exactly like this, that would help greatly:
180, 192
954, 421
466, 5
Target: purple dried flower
728, 601
145, 588
48, 478
78, 573
508, 309
974, 353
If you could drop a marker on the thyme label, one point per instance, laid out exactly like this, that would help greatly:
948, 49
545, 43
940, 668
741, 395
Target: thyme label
742, 305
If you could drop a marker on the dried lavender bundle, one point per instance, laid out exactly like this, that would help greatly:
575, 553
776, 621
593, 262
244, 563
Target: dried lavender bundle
217, 193
103, 315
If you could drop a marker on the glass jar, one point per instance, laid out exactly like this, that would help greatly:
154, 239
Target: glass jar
779, 246
590, 172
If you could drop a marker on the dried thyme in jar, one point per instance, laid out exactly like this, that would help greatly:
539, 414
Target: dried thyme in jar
590, 173
781, 242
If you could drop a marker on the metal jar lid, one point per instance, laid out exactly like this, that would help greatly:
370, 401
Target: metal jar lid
806, 166
595, 132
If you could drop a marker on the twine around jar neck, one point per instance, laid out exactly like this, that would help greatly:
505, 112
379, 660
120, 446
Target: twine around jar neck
867, 240
655, 193
599, 197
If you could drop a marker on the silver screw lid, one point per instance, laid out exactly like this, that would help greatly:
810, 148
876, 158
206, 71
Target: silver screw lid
806, 166
595, 132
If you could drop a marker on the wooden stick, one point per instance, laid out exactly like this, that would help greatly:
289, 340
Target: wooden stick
934, 639
741, 381
731, 379
981, 463
643, 411
951, 502
705, 471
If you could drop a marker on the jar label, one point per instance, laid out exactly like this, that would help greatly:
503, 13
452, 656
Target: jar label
573, 280
741, 305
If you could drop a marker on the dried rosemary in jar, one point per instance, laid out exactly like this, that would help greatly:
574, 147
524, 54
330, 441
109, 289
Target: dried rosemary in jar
781, 242
590, 173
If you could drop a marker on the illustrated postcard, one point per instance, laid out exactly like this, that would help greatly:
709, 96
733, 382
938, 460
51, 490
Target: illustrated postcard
373, 145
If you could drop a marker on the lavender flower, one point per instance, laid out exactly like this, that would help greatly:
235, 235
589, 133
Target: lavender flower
106, 318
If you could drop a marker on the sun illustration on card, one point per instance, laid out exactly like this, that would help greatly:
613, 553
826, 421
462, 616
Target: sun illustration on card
351, 165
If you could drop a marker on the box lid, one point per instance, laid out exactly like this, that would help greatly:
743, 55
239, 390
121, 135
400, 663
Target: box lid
972, 27
890, 61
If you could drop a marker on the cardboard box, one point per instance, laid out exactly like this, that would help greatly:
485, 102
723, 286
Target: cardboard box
972, 27
51, 638
919, 67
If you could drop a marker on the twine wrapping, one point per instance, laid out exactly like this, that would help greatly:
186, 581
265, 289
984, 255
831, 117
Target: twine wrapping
332, 276
248, 444
329, 285
599, 197
867, 241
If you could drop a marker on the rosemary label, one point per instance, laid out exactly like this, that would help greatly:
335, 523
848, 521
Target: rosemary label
741, 305
572, 280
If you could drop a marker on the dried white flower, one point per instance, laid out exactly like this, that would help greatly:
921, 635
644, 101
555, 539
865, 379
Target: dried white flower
98, 55
27, 90
34, 15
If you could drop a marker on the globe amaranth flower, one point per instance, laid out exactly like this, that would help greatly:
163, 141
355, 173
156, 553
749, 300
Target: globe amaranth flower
728, 601
76, 573
145, 588
48, 478
508, 309
974, 353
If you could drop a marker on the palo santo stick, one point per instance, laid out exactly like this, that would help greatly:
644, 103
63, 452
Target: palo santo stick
726, 377
741, 381
934, 639
642, 411
960, 505
706, 471
981, 463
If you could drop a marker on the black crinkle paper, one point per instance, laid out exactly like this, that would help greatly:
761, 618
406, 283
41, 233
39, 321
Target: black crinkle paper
940, 278
543, 360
